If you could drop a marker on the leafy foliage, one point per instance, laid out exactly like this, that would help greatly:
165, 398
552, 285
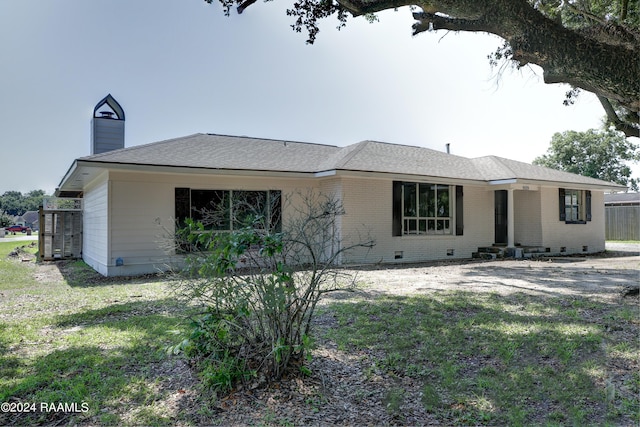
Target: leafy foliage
600, 154
259, 289
5, 219
15, 203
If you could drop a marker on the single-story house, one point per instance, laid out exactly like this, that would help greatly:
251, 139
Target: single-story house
622, 199
417, 204
31, 220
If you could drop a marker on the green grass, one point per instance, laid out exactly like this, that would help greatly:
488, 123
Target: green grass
498, 360
470, 358
73, 341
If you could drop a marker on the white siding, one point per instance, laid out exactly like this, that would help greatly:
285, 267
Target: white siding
95, 220
143, 210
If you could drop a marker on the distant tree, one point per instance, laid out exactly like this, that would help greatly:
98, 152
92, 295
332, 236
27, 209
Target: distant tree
5, 219
12, 203
16, 204
33, 200
601, 154
592, 45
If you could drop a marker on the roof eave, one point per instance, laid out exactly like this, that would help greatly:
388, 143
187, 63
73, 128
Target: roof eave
69, 173
604, 186
79, 165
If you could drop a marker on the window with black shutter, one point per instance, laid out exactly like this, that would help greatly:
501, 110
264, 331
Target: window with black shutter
574, 206
420, 208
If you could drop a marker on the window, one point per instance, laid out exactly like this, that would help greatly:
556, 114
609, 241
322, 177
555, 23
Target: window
575, 206
227, 210
424, 208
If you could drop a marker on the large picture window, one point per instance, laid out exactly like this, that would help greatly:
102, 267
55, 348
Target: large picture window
575, 206
228, 210
426, 208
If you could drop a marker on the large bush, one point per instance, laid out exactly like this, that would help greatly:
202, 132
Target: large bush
260, 287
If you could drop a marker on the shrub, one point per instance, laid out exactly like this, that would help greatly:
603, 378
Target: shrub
260, 288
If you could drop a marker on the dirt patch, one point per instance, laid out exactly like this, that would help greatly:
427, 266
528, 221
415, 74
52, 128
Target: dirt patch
601, 276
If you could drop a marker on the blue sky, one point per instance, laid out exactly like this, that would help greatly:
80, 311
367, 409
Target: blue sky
180, 67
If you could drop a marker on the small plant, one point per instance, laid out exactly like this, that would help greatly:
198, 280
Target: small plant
430, 398
393, 401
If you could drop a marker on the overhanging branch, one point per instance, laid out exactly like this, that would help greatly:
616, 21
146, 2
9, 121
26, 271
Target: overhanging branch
245, 4
626, 128
430, 21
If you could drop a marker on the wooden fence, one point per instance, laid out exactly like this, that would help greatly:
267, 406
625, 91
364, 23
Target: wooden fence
622, 222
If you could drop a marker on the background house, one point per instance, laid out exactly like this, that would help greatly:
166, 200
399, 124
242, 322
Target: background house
31, 220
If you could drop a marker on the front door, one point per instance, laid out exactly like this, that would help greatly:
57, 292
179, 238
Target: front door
501, 236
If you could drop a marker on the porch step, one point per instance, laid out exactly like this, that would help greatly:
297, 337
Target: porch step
489, 252
498, 252
491, 249
535, 250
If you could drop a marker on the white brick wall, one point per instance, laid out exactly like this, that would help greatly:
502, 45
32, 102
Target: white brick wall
574, 237
138, 202
528, 225
368, 203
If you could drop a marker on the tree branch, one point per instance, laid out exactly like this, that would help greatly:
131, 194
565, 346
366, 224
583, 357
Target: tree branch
359, 8
245, 4
628, 129
585, 13
429, 21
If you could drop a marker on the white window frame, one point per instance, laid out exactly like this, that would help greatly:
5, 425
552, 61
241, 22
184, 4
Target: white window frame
421, 224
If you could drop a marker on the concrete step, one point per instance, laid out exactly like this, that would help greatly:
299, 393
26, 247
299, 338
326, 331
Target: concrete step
535, 250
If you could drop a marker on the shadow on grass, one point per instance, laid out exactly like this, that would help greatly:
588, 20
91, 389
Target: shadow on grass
78, 274
488, 359
127, 313
10, 364
553, 277
113, 359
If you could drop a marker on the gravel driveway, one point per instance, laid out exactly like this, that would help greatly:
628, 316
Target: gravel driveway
603, 275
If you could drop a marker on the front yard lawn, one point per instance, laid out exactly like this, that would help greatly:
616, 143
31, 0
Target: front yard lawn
69, 336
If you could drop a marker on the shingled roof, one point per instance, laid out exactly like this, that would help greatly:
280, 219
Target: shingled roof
239, 153
222, 152
495, 168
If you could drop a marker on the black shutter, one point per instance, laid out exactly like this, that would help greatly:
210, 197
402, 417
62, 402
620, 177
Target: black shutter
588, 205
397, 208
459, 211
563, 213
